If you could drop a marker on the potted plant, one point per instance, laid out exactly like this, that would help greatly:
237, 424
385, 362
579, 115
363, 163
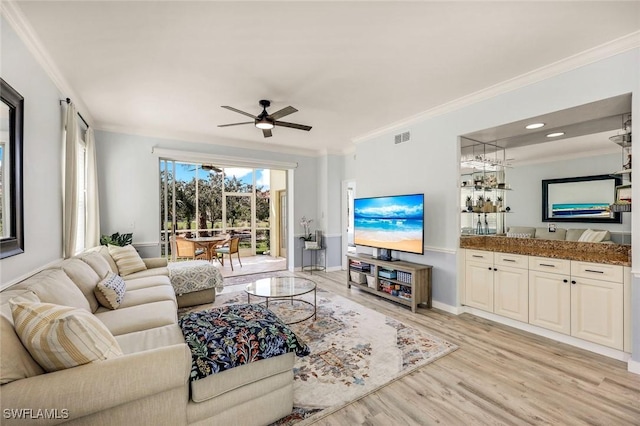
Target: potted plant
116, 239
469, 202
307, 236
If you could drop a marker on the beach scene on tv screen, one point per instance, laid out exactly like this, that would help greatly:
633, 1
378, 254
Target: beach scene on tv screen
395, 223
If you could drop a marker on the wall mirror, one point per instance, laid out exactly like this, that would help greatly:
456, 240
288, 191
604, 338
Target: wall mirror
580, 199
11, 213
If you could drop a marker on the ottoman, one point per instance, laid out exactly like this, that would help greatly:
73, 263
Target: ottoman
194, 282
242, 365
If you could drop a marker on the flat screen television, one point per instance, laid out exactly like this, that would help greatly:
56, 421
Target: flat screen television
390, 223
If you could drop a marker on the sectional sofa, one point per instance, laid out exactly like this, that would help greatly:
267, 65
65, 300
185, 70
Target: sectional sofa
562, 234
148, 384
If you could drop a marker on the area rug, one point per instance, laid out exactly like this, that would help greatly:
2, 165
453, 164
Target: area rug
354, 351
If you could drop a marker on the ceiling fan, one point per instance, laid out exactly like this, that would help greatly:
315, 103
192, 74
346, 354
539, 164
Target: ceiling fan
266, 121
209, 168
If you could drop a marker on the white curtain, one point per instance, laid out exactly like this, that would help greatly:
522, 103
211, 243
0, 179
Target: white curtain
92, 235
70, 194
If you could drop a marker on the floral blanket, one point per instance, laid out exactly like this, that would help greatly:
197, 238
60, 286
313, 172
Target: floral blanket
231, 336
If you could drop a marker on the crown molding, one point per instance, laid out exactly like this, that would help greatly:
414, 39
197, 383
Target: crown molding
603, 51
209, 139
350, 149
14, 16
221, 160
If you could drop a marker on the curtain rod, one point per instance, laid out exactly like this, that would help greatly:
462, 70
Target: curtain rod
68, 101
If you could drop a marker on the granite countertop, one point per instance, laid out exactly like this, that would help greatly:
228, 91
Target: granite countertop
612, 254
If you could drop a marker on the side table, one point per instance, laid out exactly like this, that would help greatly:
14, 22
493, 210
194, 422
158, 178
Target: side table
314, 265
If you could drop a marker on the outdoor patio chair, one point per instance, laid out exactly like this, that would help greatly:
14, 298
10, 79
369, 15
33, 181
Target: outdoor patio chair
184, 248
230, 248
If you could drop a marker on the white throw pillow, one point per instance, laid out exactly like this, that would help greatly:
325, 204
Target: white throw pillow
60, 337
591, 236
110, 291
127, 259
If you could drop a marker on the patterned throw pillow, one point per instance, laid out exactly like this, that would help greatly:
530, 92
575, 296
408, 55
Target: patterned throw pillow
110, 291
127, 259
60, 337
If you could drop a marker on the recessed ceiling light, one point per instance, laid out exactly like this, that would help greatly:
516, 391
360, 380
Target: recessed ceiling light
534, 126
555, 135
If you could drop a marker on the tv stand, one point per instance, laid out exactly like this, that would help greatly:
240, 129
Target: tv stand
402, 282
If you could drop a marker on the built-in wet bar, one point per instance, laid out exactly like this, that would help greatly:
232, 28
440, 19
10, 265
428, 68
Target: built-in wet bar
607, 253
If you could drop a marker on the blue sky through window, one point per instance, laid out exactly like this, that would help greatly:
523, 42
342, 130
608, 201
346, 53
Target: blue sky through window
186, 172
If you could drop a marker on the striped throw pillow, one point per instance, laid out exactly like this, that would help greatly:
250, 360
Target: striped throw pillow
591, 236
110, 291
60, 337
127, 259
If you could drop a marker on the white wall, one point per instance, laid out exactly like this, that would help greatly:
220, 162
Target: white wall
129, 182
331, 211
429, 162
320, 219
349, 166
526, 197
42, 173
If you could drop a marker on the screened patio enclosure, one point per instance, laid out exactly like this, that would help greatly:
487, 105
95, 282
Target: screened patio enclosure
204, 200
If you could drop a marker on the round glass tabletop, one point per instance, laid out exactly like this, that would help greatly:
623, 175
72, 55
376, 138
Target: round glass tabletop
280, 287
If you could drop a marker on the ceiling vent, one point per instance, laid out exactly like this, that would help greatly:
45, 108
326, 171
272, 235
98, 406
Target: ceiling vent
402, 137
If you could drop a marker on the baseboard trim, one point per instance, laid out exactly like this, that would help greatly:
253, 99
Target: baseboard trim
633, 366
559, 337
28, 274
447, 308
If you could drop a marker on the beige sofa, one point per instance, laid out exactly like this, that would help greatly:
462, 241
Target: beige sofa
149, 384
561, 234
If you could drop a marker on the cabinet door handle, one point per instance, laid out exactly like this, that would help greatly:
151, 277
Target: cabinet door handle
565, 280
573, 282
594, 271
546, 264
490, 268
477, 255
508, 260
495, 269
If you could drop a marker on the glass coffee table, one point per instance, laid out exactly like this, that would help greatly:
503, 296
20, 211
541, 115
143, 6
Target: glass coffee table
278, 288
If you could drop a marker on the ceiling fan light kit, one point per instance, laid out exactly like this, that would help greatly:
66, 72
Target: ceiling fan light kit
266, 121
264, 124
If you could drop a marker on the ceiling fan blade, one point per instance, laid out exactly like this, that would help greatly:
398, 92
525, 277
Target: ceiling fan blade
284, 111
266, 133
236, 124
292, 125
238, 111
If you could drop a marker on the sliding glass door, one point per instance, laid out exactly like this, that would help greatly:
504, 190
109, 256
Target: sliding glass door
207, 200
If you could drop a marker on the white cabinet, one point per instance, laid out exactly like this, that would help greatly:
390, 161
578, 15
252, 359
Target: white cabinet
511, 297
479, 285
589, 301
568, 300
492, 286
597, 308
550, 301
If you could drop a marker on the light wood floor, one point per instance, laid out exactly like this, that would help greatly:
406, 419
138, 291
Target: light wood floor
498, 376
